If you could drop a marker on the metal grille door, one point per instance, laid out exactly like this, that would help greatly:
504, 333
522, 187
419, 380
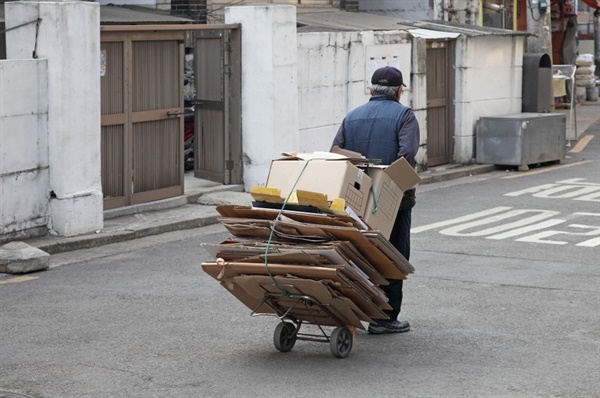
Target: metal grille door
142, 123
440, 99
218, 136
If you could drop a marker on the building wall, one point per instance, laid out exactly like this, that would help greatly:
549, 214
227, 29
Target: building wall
295, 96
145, 3
24, 161
269, 86
489, 71
326, 74
333, 73
333, 69
69, 42
407, 9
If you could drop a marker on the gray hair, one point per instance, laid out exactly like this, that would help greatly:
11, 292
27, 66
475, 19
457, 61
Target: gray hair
388, 91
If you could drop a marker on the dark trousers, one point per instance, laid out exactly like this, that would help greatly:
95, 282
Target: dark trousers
400, 238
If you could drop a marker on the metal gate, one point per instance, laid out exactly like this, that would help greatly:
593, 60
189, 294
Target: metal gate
440, 102
218, 130
142, 123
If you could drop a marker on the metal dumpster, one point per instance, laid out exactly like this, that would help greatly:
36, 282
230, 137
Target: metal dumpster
521, 139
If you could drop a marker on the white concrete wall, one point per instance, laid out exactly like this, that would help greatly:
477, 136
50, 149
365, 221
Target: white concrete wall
334, 69
145, 3
489, 72
69, 38
413, 10
418, 97
328, 76
24, 163
332, 72
269, 86
297, 88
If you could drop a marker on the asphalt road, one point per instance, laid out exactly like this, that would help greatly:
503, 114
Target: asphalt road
505, 302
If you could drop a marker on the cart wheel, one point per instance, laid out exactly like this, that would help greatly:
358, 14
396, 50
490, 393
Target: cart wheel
340, 342
284, 337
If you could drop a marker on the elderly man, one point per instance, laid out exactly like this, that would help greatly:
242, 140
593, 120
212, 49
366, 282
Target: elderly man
387, 130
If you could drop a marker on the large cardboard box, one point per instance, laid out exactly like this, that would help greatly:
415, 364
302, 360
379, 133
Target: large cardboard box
389, 184
327, 173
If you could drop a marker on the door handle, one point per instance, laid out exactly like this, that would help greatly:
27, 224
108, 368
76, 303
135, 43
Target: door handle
175, 113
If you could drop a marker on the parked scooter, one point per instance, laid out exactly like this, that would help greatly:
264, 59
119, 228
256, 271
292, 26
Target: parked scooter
188, 124
188, 135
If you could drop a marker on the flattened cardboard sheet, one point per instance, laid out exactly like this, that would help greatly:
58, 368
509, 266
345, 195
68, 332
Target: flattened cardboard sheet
365, 300
343, 311
247, 227
354, 257
212, 269
376, 258
336, 252
301, 232
391, 252
354, 157
251, 302
271, 214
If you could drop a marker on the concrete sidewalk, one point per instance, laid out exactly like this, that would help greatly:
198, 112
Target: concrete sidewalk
197, 207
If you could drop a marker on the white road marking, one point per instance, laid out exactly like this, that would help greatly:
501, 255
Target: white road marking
550, 193
579, 181
539, 237
498, 225
536, 221
573, 188
532, 190
529, 228
456, 231
459, 219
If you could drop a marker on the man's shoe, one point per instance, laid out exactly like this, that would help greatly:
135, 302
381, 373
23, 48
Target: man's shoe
396, 326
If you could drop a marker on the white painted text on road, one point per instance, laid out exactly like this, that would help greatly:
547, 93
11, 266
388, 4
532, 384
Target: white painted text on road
524, 225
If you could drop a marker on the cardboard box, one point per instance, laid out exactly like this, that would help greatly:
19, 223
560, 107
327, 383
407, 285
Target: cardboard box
389, 184
327, 173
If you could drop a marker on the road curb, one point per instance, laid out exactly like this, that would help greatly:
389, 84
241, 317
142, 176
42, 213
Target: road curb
85, 242
447, 175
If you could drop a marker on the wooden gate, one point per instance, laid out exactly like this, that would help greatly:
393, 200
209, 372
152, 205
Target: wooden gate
440, 102
218, 130
142, 122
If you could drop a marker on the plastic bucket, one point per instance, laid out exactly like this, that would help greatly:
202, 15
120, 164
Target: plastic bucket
591, 93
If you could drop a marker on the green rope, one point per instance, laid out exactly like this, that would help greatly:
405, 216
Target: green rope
284, 293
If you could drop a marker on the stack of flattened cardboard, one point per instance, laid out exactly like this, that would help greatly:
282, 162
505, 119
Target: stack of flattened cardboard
322, 269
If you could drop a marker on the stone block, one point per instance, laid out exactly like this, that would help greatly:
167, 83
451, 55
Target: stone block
21, 258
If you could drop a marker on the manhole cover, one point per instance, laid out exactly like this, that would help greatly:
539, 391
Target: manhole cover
10, 394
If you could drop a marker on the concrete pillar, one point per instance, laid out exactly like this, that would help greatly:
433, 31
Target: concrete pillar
540, 41
269, 85
597, 41
68, 36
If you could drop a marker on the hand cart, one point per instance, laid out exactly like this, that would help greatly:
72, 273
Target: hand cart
299, 308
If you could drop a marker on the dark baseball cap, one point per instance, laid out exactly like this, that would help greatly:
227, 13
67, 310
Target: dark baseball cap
388, 76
